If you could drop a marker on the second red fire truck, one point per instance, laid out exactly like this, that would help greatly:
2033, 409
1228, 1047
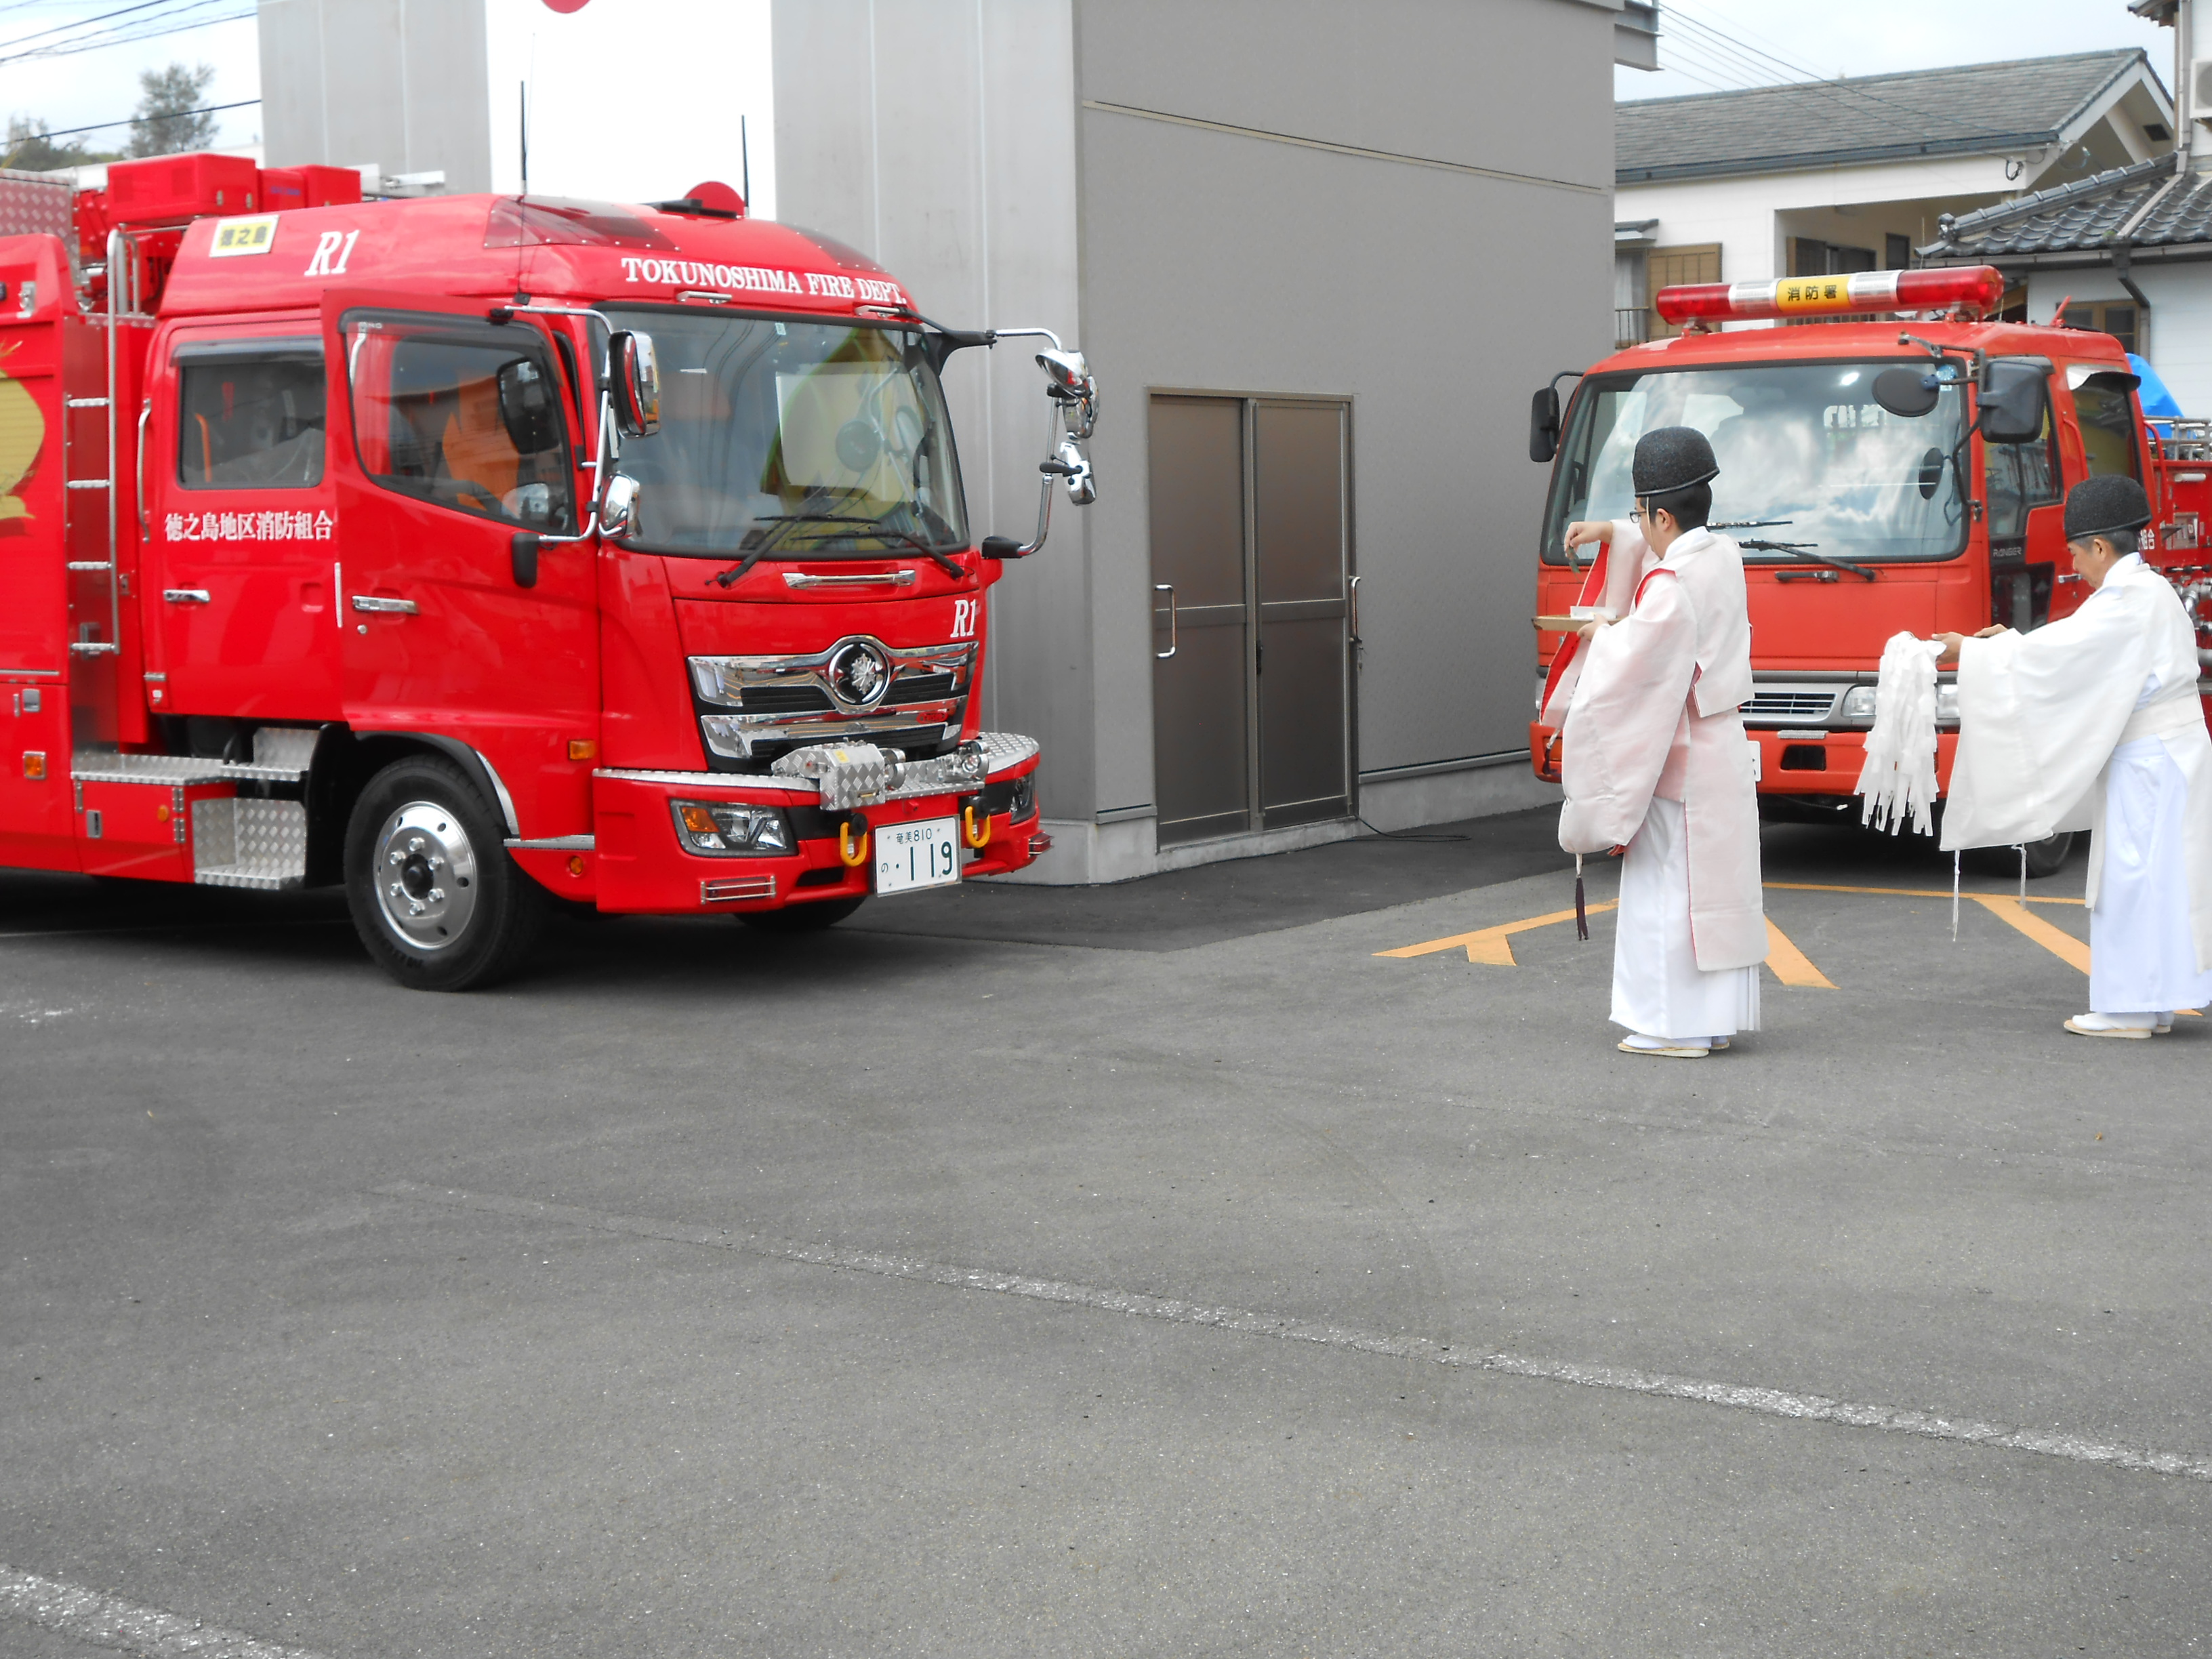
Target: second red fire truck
1881, 476
478, 550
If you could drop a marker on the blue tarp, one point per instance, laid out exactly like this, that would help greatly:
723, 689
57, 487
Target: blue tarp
2158, 403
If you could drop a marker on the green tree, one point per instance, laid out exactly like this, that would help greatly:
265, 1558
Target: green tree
30, 150
164, 125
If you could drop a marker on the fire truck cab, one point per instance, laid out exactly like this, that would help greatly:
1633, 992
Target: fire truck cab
1881, 476
471, 551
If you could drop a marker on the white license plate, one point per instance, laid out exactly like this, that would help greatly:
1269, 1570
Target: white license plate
912, 855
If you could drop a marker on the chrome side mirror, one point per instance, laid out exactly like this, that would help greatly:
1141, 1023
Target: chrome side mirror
618, 507
1072, 385
636, 374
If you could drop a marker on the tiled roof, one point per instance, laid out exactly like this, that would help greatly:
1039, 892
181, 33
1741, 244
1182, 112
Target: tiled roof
1973, 109
2088, 214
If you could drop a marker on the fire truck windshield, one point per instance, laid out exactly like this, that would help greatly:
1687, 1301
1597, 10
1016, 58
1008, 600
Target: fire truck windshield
791, 439
1804, 452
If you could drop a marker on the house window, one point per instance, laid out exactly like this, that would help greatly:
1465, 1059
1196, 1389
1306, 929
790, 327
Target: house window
1669, 267
1810, 256
2121, 318
1897, 252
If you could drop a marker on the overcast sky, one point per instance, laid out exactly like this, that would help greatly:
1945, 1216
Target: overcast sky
1875, 37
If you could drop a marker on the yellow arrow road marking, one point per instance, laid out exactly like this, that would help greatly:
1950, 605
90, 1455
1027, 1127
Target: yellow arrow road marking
1494, 944
1790, 964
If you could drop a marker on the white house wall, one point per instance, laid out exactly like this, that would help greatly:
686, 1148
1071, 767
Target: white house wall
2179, 335
1750, 216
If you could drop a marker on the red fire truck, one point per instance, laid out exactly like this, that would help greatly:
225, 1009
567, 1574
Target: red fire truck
1880, 476
477, 550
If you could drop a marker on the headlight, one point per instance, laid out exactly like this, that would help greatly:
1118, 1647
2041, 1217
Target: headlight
1946, 701
1858, 703
728, 829
1024, 797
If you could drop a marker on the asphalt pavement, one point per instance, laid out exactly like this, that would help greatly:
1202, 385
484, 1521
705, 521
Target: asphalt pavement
1150, 1270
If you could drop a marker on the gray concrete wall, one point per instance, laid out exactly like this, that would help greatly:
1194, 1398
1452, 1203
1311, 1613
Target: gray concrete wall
398, 82
1406, 202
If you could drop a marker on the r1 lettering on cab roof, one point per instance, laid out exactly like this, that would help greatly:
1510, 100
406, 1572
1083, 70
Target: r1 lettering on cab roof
332, 250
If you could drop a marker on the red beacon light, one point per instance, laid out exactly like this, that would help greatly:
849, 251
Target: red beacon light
1973, 291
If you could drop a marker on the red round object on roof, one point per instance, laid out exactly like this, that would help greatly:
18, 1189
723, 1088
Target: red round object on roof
717, 196
567, 5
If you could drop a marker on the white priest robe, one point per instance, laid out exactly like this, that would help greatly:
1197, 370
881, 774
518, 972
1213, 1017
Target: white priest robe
2093, 722
1654, 758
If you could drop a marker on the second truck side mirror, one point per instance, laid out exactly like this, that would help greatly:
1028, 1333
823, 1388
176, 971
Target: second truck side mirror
1544, 425
2016, 401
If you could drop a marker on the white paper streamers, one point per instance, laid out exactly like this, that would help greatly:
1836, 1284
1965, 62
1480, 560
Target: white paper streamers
1898, 779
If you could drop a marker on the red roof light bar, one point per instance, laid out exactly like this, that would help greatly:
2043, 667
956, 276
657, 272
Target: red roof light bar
1977, 290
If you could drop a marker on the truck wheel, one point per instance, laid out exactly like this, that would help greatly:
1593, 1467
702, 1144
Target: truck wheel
801, 918
435, 897
2045, 857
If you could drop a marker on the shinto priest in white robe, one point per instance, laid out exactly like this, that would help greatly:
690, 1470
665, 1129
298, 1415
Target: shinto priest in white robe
2093, 722
1654, 758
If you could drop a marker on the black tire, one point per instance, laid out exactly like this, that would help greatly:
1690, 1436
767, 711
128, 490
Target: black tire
801, 918
438, 903
2044, 858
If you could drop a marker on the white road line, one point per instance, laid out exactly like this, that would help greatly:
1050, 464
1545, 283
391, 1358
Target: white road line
108, 1621
1770, 1402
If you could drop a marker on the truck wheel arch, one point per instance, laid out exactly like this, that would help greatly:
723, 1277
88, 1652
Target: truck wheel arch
342, 770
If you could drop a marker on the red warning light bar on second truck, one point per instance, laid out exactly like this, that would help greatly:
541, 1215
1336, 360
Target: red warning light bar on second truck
1976, 290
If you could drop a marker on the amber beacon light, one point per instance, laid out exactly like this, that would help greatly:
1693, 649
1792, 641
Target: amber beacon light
1969, 290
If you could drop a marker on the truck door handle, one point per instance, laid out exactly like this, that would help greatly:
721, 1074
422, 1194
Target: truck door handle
389, 607
1168, 588
1353, 590
187, 596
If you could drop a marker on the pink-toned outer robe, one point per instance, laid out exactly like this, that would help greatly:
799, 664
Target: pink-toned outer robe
1650, 706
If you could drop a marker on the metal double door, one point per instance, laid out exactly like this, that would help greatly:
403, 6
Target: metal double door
1254, 614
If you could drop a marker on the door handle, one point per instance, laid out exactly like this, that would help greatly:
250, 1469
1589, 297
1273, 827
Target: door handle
1354, 592
386, 607
1174, 645
138, 470
187, 596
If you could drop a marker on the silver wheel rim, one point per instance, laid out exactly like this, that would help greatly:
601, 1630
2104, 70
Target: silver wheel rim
425, 875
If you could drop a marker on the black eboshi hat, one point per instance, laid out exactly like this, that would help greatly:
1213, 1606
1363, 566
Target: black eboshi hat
1674, 457
2106, 505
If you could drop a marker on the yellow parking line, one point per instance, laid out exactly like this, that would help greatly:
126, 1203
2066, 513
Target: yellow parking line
1493, 945
1790, 964
2061, 944
1904, 892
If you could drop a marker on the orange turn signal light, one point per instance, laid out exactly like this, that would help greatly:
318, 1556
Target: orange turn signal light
34, 762
582, 749
699, 821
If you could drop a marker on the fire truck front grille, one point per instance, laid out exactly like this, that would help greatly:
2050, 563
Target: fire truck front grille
784, 700
752, 709
1793, 705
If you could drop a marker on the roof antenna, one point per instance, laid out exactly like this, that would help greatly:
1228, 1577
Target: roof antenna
522, 93
745, 161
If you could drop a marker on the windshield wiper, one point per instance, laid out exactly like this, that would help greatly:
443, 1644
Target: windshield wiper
1748, 524
1804, 550
766, 539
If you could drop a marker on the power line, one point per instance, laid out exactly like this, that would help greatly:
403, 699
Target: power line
120, 37
1832, 85
83, 22
133, 120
